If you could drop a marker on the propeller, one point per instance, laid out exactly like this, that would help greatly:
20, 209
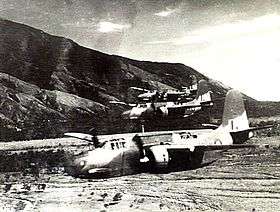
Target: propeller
92, 139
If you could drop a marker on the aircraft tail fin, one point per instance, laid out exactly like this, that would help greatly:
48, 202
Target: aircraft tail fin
203, 92
234, 116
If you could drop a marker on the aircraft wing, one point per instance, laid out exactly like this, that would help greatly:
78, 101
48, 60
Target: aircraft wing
225, 147
140, 89
184, 106
187, 106
123, 103
204, 148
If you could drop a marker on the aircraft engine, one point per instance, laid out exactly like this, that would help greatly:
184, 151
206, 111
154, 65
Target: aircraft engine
163, 111
159, 157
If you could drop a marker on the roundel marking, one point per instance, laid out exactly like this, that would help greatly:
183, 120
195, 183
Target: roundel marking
218, 142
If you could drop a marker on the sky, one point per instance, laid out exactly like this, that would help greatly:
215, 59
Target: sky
234, 41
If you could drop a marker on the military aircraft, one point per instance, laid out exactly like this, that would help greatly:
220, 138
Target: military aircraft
183, 94
131, 153
165, 105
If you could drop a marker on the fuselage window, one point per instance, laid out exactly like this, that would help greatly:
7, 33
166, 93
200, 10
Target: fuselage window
112, 145
118, 145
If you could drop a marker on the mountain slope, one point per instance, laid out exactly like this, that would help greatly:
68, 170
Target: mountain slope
50, 84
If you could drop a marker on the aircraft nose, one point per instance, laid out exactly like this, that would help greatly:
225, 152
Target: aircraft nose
132, 114
96, 163
126, 114
76, 166
81, 163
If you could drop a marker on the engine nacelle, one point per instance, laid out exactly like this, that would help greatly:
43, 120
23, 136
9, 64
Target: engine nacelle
163, 110
159, 157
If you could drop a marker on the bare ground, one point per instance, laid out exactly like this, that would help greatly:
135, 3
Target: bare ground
236, 180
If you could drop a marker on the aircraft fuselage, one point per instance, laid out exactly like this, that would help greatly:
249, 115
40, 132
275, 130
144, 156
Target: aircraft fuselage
124, 154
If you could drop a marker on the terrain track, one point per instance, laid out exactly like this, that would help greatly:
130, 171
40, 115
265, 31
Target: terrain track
240, 180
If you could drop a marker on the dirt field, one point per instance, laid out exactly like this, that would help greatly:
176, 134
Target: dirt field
238, 180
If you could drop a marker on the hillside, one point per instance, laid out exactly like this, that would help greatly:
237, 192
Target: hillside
50, 85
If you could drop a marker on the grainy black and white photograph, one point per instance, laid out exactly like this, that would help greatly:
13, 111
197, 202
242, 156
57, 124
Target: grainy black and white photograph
148, 105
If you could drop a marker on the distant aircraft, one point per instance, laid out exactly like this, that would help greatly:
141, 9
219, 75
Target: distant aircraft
182, 95
169, 104
131, 153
